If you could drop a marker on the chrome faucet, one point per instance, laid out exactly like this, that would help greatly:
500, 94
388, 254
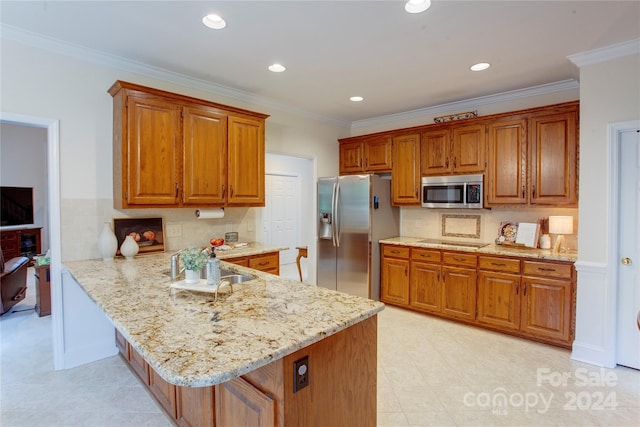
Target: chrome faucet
175, 265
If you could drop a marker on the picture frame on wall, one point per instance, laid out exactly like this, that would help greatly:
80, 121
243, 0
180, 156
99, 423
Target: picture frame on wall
147, 232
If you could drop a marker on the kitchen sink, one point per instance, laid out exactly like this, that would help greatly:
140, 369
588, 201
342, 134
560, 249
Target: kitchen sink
230, 275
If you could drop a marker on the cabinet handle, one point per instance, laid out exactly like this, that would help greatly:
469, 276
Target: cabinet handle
546, 269
455, 161
177, 188
534, 191
425, 256
231, 190
499, 264
446, 163
405, 270
224, 191
523, 191
263, 263
458, 259
524, 292
395, 252
517, 287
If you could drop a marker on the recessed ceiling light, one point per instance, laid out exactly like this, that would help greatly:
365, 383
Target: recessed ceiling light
356, 98
480, 66
417, 6
277, 68
214, 21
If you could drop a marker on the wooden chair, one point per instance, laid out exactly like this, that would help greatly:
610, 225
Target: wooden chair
13, 281
302, 252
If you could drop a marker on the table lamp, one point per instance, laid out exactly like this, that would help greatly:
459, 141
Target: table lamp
560, 225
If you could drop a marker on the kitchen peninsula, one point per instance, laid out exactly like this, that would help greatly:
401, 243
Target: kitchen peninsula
237, 361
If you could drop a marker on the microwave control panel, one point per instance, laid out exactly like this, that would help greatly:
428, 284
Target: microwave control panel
474, 193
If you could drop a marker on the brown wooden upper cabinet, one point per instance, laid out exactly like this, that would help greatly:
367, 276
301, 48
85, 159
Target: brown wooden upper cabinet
405, 173
453, 150
372, 155
176, 151
533, 159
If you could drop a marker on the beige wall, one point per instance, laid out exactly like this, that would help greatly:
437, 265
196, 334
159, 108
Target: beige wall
45, 84
609, 93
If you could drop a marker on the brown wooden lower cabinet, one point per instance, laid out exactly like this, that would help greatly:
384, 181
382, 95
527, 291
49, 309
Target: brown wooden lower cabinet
529, 298
341, 391
267, 262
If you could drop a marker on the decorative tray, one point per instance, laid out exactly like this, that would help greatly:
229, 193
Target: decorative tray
201, 286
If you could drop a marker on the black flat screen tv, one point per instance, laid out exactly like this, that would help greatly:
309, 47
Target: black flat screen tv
16, 205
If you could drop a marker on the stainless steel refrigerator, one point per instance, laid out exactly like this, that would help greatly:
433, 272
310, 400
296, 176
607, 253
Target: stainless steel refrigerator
354, 213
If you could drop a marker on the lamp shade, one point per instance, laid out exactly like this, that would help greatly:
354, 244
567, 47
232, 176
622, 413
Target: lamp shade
561, 224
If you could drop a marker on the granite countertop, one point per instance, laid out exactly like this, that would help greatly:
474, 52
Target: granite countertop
489, 249
190, 340
249, 250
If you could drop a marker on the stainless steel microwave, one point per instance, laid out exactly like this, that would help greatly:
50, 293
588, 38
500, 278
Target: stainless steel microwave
454, 191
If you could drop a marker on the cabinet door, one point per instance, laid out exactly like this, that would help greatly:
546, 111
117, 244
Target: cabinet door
238, 403
377, 155
205, 156
195, 406
506, 174
435, 147
425, 286
138, 364
468, 148
459, 292
351, 157
553, 159
546, 308
405, 173
394, 285
269, 263
246, 162
499, 299
164, 392
152, 152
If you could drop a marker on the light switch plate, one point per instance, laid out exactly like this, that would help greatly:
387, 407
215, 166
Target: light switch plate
174, 230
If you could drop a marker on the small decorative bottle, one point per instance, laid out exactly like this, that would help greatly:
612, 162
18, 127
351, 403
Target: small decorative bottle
213, 268
129, 248
107, 242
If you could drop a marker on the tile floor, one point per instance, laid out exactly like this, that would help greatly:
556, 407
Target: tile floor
431, 372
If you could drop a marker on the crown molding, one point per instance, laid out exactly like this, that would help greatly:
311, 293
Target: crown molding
631, 47
472, 103
113, 61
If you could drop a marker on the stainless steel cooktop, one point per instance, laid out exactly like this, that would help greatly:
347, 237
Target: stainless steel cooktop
452, 243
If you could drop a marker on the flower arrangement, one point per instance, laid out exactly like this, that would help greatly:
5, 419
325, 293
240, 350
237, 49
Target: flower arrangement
193, 259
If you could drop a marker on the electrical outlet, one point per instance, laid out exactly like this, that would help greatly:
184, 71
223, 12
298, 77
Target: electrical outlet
249, 226
174, 230
300, 374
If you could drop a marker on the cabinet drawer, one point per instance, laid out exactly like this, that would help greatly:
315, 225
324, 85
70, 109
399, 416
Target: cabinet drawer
456, 258
264, 262
396, 251
425, 255
547, 269
499, 264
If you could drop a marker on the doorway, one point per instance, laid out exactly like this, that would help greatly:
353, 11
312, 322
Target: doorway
52, 127
286, 219
627, 250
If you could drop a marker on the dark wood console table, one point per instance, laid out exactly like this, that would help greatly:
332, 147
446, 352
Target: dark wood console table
21, 242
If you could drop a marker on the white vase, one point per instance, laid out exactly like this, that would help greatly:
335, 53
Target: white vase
129, 248
107, 242
545, 241
191, 276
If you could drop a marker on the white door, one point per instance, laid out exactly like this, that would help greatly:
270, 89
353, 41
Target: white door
628, 349
282, 214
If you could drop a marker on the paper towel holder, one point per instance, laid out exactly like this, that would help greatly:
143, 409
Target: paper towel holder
211, 213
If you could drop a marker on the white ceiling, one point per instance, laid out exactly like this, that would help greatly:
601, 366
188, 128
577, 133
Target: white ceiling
335, 49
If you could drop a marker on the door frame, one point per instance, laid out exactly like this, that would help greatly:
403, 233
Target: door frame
53, 184
611, 328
